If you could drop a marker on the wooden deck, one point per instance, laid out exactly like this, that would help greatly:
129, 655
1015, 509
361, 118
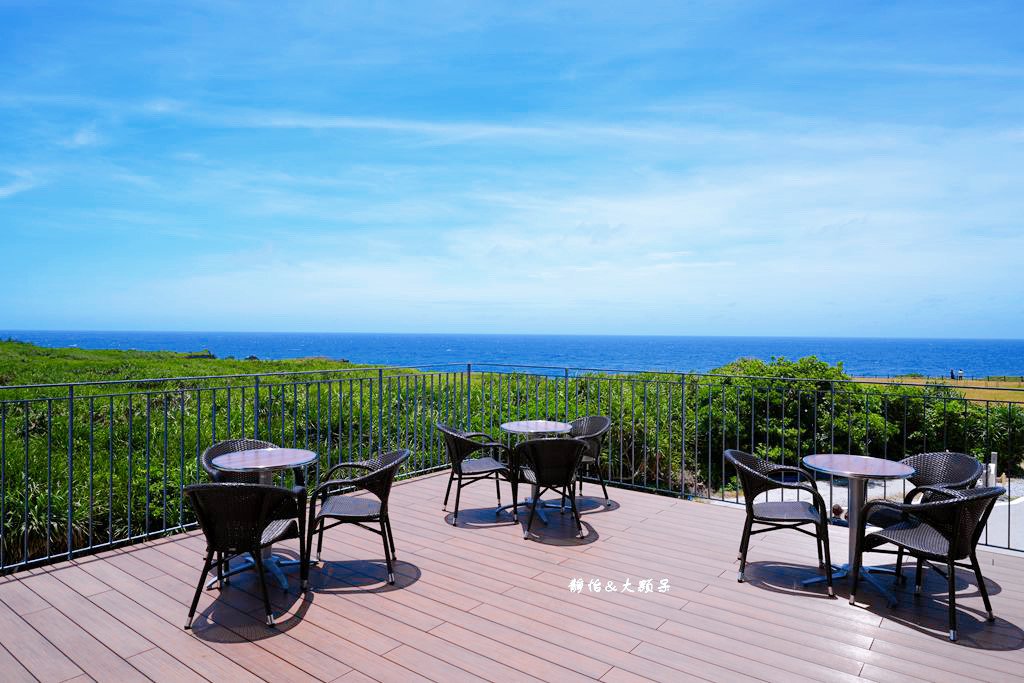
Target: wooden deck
478, 602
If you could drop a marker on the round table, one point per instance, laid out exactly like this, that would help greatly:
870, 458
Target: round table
857, 469
536, 428
265, 462
531, 427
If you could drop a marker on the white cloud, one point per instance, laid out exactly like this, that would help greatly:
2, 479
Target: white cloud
86, 136
22, 182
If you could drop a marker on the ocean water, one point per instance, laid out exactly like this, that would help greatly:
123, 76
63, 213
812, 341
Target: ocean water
861, 357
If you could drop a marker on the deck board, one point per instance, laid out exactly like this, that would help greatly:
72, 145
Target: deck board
478, 603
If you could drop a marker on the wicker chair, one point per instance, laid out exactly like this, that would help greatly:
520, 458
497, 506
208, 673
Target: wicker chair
758, 476
945, 469
245, 518
234, 446
336, 508
592, 430
945, 529
550, 464
468, 467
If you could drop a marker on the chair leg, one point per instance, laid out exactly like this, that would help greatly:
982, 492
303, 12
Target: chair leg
744, 543
458, 494
387, 549
899, 566
391, 538
982, 588
533, 510
497, 487
220, 569
451, 475
918, 576
855, 569
258, 558
320, 539
828, 560
821, 560
951, 582
600, 478
515, 501
199, 589
576, 516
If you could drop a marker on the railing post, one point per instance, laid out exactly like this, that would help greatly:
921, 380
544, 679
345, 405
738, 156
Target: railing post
682, 439
380, 409
71, 458
566, 389
469, 397
256, 409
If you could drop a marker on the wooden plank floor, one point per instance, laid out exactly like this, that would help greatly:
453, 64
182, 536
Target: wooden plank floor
478, 602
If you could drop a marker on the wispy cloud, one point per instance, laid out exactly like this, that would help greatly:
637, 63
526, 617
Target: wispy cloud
86, 136
22, 181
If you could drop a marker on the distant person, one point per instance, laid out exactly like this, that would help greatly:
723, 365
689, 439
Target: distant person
952, 374
960, 375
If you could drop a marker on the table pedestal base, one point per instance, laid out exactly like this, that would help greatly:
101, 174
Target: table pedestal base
272, 564
840, 571
541, 505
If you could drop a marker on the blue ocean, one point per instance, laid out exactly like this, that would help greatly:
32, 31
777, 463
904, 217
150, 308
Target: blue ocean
860, 357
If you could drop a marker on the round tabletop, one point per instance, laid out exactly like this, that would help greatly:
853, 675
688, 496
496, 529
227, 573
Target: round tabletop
858, 466
536, 427
259, 459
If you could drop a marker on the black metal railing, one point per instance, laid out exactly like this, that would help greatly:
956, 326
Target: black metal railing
96, 464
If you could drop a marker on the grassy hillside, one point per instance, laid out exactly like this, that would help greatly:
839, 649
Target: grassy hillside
23, 363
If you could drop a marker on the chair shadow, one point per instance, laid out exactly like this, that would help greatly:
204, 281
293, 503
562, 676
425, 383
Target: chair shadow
341, 577
926, 613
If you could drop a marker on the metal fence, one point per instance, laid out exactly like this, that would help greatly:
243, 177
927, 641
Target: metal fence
93, 465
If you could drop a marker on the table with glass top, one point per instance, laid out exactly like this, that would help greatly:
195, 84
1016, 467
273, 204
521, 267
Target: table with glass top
857, 470
535, 429
265, 462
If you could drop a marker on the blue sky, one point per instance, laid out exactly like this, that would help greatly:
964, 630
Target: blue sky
741, 168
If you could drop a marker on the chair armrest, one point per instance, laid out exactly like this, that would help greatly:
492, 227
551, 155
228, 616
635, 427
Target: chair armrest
791, 468
476, 435
357, 464
921, 490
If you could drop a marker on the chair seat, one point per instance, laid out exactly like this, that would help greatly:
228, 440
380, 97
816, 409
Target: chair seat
355, 508
588, 460
786, 511
278, 530
484, 465
913, 535
527, 475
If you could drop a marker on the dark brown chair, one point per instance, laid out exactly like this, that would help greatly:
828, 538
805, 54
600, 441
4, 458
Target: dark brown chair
550, 464
465, 452
336, 508
759, 476
944, 529
944, 468
245, 518
592, 429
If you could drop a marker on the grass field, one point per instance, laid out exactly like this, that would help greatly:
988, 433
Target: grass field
975, 389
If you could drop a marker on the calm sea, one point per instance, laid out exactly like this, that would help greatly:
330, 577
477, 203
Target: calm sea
863, 357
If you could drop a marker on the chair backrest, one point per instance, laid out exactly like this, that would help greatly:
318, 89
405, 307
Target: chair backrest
963, 519
232, 446
553, 461
458, 445
753, 474
384, 468
233, 515
591, 429
945, 469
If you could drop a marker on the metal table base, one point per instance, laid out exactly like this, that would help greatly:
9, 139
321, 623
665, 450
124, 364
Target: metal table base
840, 571
272, 564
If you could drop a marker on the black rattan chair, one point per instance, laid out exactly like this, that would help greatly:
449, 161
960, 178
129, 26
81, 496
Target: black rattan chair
468, 467
944, 468
245, 518
234, 446
592, 430
337, 508
550, 464
944, 529
758, 476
